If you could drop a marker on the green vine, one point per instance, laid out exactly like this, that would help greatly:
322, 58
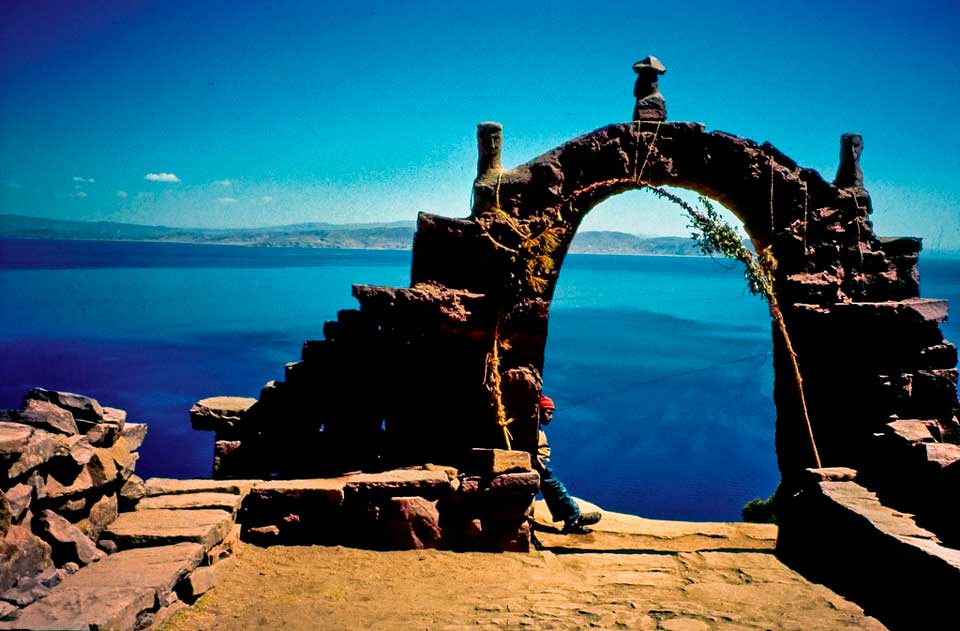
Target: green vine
714, 236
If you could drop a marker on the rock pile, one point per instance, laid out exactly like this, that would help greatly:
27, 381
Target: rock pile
66, 465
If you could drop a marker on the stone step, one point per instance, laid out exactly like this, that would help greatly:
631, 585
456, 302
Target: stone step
170, 486
192, 501
165, 526
121, 592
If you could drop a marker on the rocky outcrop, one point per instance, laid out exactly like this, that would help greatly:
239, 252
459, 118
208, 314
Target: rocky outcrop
64, 459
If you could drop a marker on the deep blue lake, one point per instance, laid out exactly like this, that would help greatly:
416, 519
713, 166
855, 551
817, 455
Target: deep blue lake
660, 366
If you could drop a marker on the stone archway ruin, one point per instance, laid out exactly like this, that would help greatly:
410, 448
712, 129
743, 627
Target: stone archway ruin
406, 378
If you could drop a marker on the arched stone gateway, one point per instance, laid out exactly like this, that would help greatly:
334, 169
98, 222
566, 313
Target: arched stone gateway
409, 376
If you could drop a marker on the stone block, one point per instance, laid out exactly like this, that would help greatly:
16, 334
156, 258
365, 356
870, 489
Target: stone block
306, 511
164, 527
226, 548
132, 491
38, 448
431, 485
101, 434
22, 553
103, 466
124, 457
170, 486
54, 488
198, 582
507, 536
941, 455
410, 523
79, 448
192, 501
496, 461
102, 513
911, 431
14, 438
219, 414
67, 541
79, 406
18, 499
47, 416
134, 434
514, 484
120, 592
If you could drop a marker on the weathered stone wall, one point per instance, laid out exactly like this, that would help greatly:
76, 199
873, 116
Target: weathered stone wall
407, 377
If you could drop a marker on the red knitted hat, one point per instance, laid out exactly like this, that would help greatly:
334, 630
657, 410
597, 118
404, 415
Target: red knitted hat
547, 403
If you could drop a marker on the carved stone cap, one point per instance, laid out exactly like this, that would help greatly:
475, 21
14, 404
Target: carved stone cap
649, 63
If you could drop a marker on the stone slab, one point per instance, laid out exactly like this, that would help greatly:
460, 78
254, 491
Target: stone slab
219, 414
193, 501
164, 527
170, 486
114, 593
428, 484
79, 406
497, 461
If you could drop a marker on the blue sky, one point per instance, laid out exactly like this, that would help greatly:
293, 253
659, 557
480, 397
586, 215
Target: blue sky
258, 113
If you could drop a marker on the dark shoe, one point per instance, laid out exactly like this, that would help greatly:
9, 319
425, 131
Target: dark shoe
579, 525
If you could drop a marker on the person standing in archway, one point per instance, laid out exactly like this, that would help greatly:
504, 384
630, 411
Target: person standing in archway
562, 506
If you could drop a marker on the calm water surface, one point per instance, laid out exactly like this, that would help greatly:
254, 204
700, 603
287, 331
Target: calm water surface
660, 366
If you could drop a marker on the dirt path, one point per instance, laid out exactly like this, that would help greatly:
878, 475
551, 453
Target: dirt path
640, 575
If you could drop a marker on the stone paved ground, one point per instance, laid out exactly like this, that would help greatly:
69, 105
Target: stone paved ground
631, 573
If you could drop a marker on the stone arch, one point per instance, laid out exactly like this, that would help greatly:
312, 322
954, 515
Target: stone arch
829, 257
417, 360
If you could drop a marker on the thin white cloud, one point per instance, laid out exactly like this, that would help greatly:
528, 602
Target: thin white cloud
226, 200
83, 180
267, 198
169, 178
80, 194
224, 183
122, 194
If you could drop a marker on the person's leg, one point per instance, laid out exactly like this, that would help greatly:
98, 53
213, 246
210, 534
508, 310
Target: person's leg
562, 506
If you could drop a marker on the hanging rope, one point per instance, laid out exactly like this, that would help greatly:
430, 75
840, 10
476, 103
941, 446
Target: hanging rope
646, 158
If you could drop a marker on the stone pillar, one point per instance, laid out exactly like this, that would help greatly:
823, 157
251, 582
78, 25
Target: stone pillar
849, 174
489, 144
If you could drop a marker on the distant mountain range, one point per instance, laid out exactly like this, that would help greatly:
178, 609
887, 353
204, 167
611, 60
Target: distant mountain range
366, 236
